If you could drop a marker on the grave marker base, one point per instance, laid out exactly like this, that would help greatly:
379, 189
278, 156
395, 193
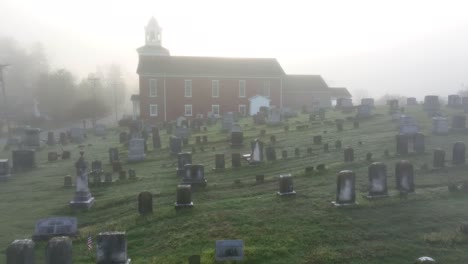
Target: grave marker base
180, 206
337, 204
377, 196
286, 193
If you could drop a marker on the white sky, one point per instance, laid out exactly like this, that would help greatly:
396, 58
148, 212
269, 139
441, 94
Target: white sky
380, 46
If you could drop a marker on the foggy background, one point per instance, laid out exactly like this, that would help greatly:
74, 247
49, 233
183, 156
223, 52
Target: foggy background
411, 48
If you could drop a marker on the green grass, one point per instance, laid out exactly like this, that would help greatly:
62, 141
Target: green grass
301, 229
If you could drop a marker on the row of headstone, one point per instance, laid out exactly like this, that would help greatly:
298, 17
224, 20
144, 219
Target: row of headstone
406, 142
408, 125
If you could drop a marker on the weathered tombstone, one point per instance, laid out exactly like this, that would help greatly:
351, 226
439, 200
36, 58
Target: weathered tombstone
220, 163
52, 156
408, 125
284, 154
4, 169
50, 138
458, 153
175, 145
356, 124
229, 250
55, 227
205, 139
145, 203
309, 169
194, 259
297, 152
317, 140
259, 178
369, 156
112, 248
339, 125
183, 159
20, 251
182, 132
236, 160
116, 166
345, 188
77, 135
338, 144
227, 121
156, 138
440, 126
348, 154
32, 138
113, 155
197, 140
83, 198
136, 149
59, 251
410, 101
184, 196
274, 116
270, 153
377, 173
66, 155
96, 166
123, 137
321, 167
402, 144
67, 181
458, 123
194, 175
431, 104
364, 111
132, 174
368, 102
237, 138
23, 159
63, 138
96, 178
454, 100
439, 158
100, 130
286, 185
404, 175
257, 152
419, 143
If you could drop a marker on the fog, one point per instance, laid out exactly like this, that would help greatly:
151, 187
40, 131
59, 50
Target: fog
394, 47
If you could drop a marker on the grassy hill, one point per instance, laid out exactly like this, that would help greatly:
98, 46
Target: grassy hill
301, 229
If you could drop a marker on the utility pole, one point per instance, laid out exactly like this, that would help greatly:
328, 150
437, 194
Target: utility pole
3, 66
115, 103
94, 79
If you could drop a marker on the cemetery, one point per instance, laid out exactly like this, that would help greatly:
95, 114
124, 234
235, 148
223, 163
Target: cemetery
388, 188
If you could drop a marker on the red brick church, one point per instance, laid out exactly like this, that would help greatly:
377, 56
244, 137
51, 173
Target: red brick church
173, 86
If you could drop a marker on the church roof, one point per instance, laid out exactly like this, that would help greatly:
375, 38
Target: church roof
212, 66
340, 92
303, 83
153, 50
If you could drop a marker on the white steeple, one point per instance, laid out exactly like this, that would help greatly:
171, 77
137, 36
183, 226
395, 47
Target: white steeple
153, 33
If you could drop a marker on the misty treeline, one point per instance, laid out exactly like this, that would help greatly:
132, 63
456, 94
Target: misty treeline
37, 93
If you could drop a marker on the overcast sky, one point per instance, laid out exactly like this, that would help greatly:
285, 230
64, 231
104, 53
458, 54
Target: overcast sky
409, 47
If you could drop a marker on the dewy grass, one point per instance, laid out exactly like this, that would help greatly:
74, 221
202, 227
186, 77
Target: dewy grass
300, 229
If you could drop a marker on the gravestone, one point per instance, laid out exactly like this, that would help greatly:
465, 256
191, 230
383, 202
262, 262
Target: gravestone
402, 144
32, 138
325, 147
96, 166
227, 121
182, 132
194, 175
100, 130
67, 181
63, 138
132, 174
286, 185
111, 248
274, 116
411, 101
393, 106
47, 228
440, 126
309, 170
229, 250
348, 154
345, 188
77, 135
407, 125
198, 140
431, 104
364, 111
317, 140
135, 128
205, 139
50, 138
23, 159
83, 198
404, 175
369, 156
175, 145
236, 160
96, 178
59, 251
338, 144
20, 251
284, 154
145, 203
52, 156
339, 125
257, 152
270, 153
4, 169
136, 149
156, 138
183, 159
297, 152
321, 167
439, 158
220, 163
458, 123
237, 138
66, 155
377, 173
113, 155
116, 166
184, 196
273, 139
368, 102
123, 137
458, 153
419, 143
454, 100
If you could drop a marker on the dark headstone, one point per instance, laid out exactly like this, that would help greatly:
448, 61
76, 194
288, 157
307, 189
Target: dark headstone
156, 138
317, 140
59, 251
113, 155
23, 159
219, 162
132, 174
377, 173
273, 139
237, 138
197, 140
402, 144
67, 181
55, 227
112, 248
236, 160
321, 167
459, 122
184, 196
145, 203
284, 154
309, 169
66, 155
175, 145
205, 139
369, 156
96, 166
439, 158
50, 138
52, 156
286, 185
458, 153
183, 159
116, 166
419, 143
270, 153
20, 252
404, 175
297, 152
262, 132
348, 154
345, 188
108, 178
339, 125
